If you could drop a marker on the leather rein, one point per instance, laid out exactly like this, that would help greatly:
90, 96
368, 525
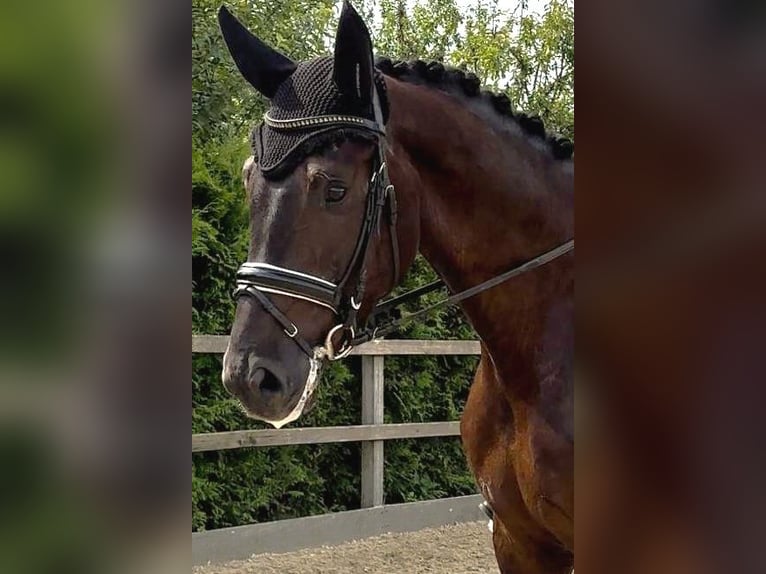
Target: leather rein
258, 280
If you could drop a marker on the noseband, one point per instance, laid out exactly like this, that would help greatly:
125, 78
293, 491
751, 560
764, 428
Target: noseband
258, 280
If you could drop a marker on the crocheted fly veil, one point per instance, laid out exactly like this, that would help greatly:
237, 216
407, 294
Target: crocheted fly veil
312, 102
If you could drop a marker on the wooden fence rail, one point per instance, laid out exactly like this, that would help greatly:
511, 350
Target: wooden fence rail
217, 344
371, 433
320, 435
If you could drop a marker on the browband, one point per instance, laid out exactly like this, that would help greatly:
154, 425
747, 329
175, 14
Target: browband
333, 120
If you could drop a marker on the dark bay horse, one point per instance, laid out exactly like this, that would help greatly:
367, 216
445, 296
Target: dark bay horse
478, 190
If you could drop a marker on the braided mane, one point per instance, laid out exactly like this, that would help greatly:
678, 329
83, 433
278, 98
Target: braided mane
448, 79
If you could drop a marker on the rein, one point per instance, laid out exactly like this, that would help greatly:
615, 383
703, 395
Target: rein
387, 306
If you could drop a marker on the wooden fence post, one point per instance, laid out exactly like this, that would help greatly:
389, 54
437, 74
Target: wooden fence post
372, 413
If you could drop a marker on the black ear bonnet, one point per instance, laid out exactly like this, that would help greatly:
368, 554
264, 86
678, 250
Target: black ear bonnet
310, 92
312, 102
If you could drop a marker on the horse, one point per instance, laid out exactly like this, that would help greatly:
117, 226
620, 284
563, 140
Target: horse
359, 165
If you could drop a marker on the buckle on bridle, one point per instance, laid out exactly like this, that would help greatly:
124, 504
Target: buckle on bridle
346, 348
292, 332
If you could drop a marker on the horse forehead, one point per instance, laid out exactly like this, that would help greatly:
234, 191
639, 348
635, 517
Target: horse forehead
347, 157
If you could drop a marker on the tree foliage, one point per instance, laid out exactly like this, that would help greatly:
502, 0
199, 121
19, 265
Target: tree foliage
529, 57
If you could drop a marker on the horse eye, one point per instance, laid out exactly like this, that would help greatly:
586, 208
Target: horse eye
335, 193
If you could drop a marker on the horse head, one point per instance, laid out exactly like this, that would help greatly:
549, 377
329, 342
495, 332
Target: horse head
324, 246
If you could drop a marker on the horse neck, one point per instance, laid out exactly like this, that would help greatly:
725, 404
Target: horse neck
490, 198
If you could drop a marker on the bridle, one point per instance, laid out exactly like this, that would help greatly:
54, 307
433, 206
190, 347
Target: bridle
258, 280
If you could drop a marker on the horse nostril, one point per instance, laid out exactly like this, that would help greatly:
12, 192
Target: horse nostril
266, 381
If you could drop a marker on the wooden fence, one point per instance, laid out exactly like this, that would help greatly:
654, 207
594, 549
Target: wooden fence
371, 433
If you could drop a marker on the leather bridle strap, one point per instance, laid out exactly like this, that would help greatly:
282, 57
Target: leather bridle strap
379, 193
384, 308
290, 329
393, 209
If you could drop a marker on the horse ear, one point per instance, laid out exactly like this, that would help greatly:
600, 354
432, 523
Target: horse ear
353, 67
262, 66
